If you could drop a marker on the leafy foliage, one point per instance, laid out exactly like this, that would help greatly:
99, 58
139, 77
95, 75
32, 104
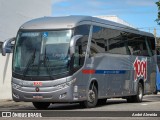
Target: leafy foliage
158, 19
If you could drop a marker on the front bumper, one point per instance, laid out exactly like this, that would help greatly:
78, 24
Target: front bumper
44, 91
62, 95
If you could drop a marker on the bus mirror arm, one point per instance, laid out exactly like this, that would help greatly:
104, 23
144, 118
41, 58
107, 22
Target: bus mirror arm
89, 54
73, 43
7, 46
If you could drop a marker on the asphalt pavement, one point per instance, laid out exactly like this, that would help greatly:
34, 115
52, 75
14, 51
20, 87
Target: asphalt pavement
113, 109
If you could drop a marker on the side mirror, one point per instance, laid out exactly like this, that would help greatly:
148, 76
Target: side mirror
73, 43
7, 46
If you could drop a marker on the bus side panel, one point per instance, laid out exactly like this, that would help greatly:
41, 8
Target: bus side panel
150, 83
113, 74
144, 69
116, 74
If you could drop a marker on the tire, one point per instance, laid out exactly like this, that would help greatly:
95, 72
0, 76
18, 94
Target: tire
102, 101
92, 98
41, 105
138, 97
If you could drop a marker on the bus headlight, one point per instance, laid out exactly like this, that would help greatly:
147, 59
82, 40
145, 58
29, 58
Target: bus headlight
66, 84
61, 86
16, 86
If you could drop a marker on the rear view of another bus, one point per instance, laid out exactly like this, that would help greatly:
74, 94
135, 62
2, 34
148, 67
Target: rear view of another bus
158, 75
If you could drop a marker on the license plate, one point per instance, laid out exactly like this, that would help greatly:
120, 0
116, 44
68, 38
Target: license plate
37, 96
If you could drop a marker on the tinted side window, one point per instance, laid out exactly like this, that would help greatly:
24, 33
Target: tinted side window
82, 30
137, 45
116, 42
98, 41
120, 42
81, 44
151, 45
108, 40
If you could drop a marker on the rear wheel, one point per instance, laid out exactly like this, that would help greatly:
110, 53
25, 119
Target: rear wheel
91, 99
139, 96
41, 105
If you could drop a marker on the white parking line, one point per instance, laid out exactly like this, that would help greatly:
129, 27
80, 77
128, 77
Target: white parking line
144, 104
151, 103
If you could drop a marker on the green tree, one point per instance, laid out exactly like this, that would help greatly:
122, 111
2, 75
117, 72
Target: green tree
158, 17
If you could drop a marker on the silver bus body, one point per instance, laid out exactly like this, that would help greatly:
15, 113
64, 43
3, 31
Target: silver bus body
113, 74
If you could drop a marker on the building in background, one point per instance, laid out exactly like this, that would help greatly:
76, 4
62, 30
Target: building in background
13, 13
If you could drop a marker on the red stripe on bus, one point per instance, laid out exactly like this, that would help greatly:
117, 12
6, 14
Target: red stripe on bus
88, 71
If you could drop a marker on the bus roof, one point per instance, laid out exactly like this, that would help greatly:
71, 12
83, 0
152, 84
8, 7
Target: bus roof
68, 22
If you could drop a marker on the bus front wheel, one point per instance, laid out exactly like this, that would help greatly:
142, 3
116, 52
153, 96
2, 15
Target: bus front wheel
92, 98
41, 105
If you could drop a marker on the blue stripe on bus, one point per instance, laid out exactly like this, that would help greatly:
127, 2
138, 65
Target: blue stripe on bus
110, 72
104, 71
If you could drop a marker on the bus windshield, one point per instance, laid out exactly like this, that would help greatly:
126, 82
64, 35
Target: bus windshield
42, 53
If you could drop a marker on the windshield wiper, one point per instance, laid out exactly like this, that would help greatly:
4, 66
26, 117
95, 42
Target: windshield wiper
30, 61
47, 64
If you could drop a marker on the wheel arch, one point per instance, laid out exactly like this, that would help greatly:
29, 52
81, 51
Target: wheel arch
94, 81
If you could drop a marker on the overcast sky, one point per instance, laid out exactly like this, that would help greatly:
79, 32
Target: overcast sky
139, 13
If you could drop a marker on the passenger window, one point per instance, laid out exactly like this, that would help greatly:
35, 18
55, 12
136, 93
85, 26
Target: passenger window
117, 47
137, 46
79, 55
117, 43
97, 39
82, 30
81, 45
151, 45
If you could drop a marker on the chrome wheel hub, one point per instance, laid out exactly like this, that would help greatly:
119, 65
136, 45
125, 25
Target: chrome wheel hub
91, 96
140, 93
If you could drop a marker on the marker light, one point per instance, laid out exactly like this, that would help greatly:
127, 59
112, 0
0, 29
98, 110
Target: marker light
16, 86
